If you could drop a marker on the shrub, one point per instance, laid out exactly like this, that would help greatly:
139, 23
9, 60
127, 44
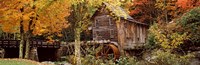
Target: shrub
157, 57
127, 61
151, 42
160, 57
190, 22
91, 60
165, 36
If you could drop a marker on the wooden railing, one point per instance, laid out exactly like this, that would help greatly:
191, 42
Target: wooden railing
9, 43
35, 43
43, 44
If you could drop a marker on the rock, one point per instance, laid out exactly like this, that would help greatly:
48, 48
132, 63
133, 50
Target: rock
34, 54
65, 63
195, 62
197, 54
48, 63
2, 53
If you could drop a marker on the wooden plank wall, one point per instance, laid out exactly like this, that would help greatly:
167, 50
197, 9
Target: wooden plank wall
104, 28
131, 35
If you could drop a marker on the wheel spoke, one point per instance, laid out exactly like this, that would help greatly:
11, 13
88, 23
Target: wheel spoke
105, 49
102, 52
108, 50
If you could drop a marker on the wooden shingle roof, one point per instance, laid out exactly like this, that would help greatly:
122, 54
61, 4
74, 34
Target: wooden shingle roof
119, 12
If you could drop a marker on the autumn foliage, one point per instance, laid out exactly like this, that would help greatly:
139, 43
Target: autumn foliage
182, 33
187, 4
143, 10
41, 16
158, 10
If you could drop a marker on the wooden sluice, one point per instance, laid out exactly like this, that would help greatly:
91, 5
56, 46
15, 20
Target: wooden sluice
101, 48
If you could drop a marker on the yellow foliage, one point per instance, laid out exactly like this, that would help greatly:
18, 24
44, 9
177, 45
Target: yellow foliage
60, 35
46, 16
50, 40
166, 38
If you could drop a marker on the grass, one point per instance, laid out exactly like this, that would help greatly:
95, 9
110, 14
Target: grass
18, 62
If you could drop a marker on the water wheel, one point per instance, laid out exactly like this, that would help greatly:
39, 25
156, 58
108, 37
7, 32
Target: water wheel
108, 51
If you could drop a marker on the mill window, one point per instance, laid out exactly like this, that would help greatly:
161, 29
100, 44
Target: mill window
112, 33
96, 23
110, 21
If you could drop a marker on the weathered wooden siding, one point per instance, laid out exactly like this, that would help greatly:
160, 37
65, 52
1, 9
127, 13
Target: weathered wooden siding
104, 28
131, 35
121, 33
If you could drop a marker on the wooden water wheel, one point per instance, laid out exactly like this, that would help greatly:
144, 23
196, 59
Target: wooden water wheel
109, 51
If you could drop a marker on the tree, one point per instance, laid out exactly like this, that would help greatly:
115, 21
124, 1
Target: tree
81, 12
187, 4
80, 19
190, 23
33, 17
175, 8
160, 10
144, 10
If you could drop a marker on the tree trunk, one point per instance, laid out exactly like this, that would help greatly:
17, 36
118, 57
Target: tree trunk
166, 18
21, 46
28, 36
27, 47
77, 46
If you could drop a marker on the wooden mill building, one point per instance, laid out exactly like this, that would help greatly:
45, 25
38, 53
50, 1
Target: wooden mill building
113, 23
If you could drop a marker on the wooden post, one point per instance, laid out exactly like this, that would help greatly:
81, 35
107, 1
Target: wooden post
2, 52
59, 53
121, 36
34, 54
